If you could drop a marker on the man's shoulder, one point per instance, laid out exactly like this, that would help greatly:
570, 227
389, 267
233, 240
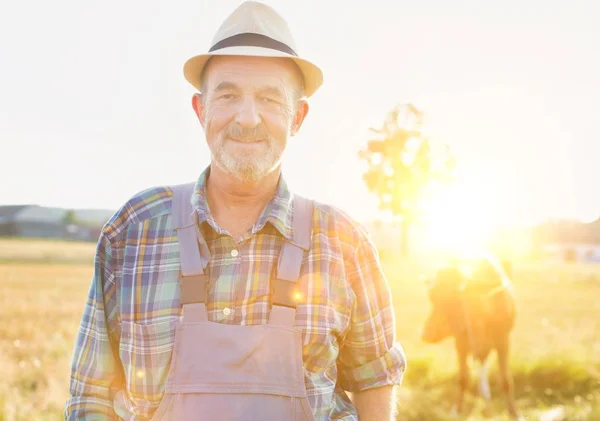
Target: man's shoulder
336, 222
149, 203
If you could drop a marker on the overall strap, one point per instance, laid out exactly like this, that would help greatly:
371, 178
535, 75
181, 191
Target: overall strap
283, 288
192, 280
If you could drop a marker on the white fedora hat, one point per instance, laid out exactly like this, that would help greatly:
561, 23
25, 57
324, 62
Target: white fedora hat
254, 29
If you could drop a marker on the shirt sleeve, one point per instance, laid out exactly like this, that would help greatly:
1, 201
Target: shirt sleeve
96, 373
369, 356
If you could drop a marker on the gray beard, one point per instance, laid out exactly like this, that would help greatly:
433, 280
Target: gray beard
250, 167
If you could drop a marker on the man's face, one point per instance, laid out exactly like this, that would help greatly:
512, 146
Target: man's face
248, 108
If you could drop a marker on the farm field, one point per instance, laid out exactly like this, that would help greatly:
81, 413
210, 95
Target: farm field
555, 358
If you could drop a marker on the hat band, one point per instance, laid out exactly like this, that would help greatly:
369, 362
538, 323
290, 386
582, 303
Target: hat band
249, 39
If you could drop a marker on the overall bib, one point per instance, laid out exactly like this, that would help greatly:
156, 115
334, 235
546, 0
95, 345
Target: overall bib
230, 372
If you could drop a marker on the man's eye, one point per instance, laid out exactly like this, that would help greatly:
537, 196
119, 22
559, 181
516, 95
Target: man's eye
270, 100
227, 96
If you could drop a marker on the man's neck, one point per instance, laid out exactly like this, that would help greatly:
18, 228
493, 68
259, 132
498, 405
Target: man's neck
236, 205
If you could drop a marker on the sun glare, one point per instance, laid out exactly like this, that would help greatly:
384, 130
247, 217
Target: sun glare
458, 220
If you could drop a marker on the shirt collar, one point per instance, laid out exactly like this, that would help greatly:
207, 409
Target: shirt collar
277, 212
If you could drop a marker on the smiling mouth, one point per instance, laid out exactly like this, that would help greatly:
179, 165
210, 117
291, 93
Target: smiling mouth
246, 141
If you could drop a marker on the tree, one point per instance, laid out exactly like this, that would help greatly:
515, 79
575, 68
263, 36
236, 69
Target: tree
403, 166
70, 221
70, 217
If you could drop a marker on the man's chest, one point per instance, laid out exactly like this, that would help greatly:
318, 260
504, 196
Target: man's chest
240, 282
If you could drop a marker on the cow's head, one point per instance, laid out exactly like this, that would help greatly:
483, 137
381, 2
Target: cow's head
461, 284
446, 316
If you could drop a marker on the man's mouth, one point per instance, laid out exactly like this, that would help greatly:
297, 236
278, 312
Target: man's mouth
246, 140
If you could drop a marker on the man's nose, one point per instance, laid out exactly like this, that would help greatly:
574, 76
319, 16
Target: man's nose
248, 115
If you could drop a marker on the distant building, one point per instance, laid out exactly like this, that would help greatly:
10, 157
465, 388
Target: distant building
38, 221
48, 222
568, 240
8, 225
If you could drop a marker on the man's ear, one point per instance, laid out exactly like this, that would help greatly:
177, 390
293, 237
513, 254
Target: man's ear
301, 112
198, 106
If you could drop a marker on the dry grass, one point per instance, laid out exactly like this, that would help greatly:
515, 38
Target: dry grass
40, 306
556, 358
46, 251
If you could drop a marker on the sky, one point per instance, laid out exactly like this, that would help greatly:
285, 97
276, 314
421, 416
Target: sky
94, 106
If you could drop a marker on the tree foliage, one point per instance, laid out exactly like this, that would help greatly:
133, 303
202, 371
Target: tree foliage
70, 217
403, 166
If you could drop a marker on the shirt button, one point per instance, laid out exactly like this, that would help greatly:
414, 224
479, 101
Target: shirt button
226, 311
234, 253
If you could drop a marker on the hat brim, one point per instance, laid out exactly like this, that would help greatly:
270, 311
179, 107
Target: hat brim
313, 76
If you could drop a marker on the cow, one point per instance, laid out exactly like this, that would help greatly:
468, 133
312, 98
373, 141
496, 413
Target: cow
472, 301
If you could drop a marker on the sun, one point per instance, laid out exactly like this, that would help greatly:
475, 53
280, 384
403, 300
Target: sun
458, 219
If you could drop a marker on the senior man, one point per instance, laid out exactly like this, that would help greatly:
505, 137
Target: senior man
231, 298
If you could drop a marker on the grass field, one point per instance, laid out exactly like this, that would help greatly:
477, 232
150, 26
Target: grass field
555, 359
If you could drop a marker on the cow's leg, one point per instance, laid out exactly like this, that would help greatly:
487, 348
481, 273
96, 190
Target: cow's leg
506, 376
484, 386
463, 374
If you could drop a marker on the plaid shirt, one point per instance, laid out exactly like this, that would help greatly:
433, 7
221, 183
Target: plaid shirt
124, 345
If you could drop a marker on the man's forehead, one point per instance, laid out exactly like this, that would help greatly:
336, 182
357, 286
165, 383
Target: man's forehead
251, 72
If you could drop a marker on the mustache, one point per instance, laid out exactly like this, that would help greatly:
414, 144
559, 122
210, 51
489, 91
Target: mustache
248, 134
